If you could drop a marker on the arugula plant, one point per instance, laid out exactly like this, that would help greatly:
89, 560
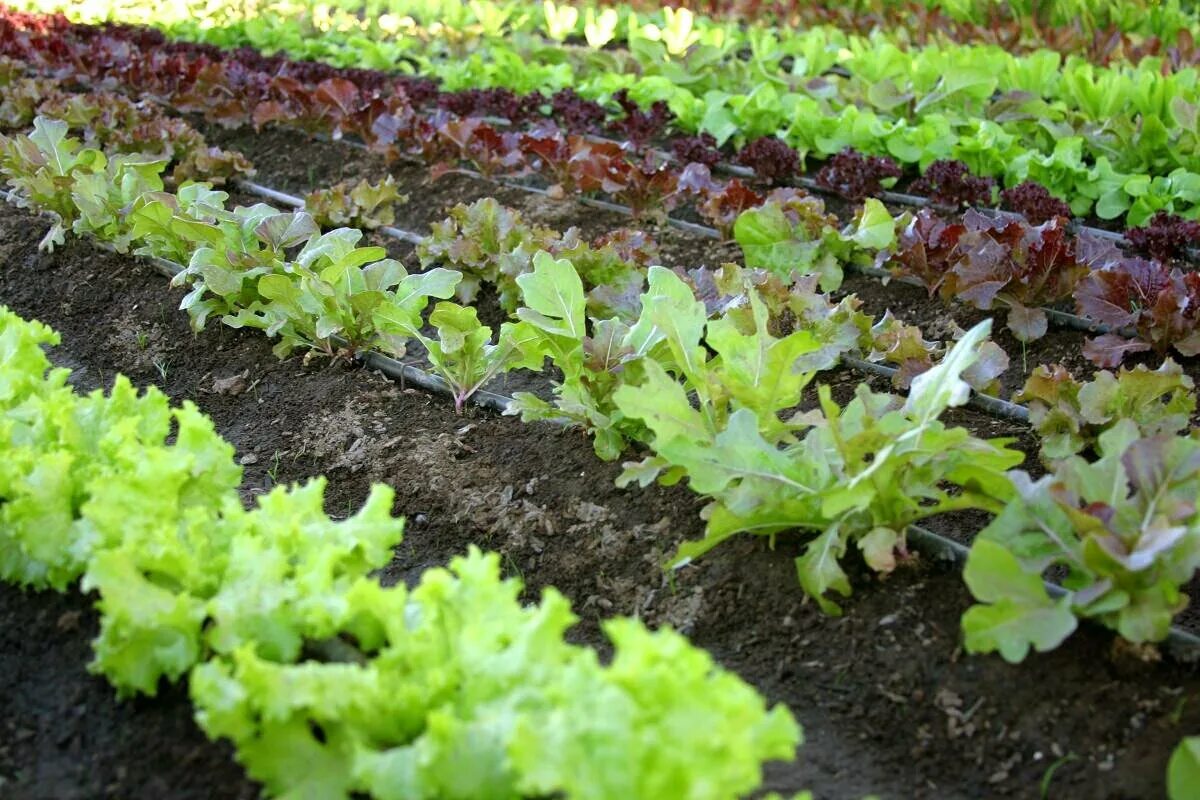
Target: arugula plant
103, 198
225, 253
334, 288
1070, 415
1125, 528
465, 355
555, 310
860, 475
664, 344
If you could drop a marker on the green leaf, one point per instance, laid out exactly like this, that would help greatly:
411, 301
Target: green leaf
874, 229
1183, 770
553, 294
942, 387
1019, 615
820, 572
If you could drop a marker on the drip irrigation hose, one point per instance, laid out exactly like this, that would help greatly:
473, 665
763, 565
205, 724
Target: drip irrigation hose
1063, 319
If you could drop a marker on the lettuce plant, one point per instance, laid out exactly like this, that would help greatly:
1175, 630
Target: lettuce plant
363, 204
1070, 415
794, 235
336, 289
487, 243
1125, 528
860, 476
992, 262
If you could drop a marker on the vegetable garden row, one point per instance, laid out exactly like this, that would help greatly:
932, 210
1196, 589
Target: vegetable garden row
760, 218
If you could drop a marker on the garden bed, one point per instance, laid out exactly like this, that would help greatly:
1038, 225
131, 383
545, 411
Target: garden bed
888, 701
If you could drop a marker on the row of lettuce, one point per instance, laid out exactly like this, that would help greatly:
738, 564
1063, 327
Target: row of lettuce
328, 683
1123, 144
709, 387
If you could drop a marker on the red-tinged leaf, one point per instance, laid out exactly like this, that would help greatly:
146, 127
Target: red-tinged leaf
1109, 350
649, 188
575, 113
631, 245
981, 271
770, 158
1101, 511
594, 166
909, 369
1165, 237
721, 207
229, 114
951, 183
442, 168
639, 126
926, 249
1034, 202
700, 149
1027, 324
385, 129
478, 142
1116, 295
697, 179
268, 112
1189, 345
339, 93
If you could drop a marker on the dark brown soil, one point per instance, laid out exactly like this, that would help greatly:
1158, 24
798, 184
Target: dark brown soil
889, 703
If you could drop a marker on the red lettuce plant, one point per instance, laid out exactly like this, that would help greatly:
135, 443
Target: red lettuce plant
855, 176
1160, 304
988, 262
770, 158
950, 183
700, 149
638, 126
1165, 237
1034, 202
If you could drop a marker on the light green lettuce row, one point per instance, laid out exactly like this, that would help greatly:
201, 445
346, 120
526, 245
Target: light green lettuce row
327, 682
